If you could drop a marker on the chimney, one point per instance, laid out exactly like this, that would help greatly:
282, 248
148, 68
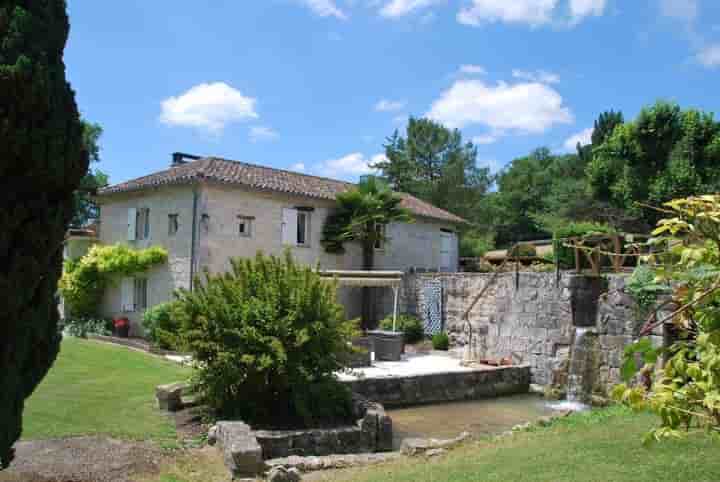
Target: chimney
180, 158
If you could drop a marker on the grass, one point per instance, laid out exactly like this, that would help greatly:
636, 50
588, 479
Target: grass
97, 388
601, 446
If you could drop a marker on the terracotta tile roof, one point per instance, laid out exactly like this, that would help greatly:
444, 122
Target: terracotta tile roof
213, 169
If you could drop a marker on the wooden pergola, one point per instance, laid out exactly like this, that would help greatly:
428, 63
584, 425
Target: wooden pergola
369, 279
617, 247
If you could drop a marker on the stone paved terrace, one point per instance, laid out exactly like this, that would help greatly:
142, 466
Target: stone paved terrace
416, 364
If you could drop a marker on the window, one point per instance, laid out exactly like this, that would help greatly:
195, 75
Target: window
142, 223
245, 226
380, 229
296, 227
134, 293
140, 290
303, 223
173, 224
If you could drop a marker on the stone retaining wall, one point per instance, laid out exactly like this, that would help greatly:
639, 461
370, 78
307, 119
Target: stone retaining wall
532, 317
444, 387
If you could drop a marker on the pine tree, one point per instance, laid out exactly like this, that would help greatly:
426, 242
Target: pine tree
41, 164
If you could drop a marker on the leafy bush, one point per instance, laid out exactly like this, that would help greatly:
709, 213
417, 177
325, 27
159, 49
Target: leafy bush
84, 280
412, 328
475, 245
440, 341
161, 328
268, 337
644, 289
566, 256
522, 250
686, 392
82, 327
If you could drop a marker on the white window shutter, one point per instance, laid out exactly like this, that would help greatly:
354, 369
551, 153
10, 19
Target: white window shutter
132, 224
289, 226
127, 295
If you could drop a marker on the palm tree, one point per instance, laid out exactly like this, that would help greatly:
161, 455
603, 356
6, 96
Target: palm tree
361, 216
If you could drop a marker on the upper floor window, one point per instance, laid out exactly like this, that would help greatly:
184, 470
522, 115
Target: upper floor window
173, 224
143, 223
296, 227
245, 226
303, 224
138, 223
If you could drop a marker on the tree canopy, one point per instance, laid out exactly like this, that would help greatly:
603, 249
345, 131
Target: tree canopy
85, 208
433, 163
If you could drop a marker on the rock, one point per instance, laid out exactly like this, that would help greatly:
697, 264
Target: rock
212, 435
435, 452
545, 421
169, 397
281, 474
419, 446
598, 401
242, 453
522, 426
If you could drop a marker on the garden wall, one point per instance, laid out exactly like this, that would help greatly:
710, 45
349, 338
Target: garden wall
532, 317
444, 387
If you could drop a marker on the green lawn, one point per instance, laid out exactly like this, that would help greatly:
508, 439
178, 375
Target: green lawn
97, 388
604, 446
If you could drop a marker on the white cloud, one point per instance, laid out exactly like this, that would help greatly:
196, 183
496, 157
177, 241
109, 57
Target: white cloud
386, 105
262, 133
541, 76
325, 8
472, 69
208, 106
400, 119
351, 166
298, 166
532, 12
710, 56
579, 9
485, 139
583, 137
523, 107
400, 8
685, 10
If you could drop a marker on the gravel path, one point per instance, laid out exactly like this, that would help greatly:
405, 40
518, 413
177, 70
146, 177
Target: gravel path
82, 459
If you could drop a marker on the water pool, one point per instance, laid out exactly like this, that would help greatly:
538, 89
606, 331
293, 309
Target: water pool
479, 417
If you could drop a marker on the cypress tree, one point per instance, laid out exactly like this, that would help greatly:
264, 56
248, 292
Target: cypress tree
41, 163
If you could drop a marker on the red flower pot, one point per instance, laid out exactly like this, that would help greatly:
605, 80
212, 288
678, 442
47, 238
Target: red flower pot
121, 327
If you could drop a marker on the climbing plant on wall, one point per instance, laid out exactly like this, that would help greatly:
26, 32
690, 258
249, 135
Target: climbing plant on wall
84, 280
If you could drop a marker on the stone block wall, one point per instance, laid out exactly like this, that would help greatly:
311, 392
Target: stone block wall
532, 317
444, 387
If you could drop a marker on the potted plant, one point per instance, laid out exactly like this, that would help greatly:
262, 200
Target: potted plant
121, 327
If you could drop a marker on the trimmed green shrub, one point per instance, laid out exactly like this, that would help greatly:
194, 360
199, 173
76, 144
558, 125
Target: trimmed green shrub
82, 327
412, 328
440, 341
268, 337
566, 256
522, 250
161, 328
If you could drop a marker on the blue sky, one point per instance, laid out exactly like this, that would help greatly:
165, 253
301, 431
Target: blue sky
317, 85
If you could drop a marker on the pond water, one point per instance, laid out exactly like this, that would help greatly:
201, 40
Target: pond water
479, 417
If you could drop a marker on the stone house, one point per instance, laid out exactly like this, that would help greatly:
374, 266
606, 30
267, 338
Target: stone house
205, 211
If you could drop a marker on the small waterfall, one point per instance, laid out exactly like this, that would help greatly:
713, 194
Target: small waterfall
580, 359
580, 376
